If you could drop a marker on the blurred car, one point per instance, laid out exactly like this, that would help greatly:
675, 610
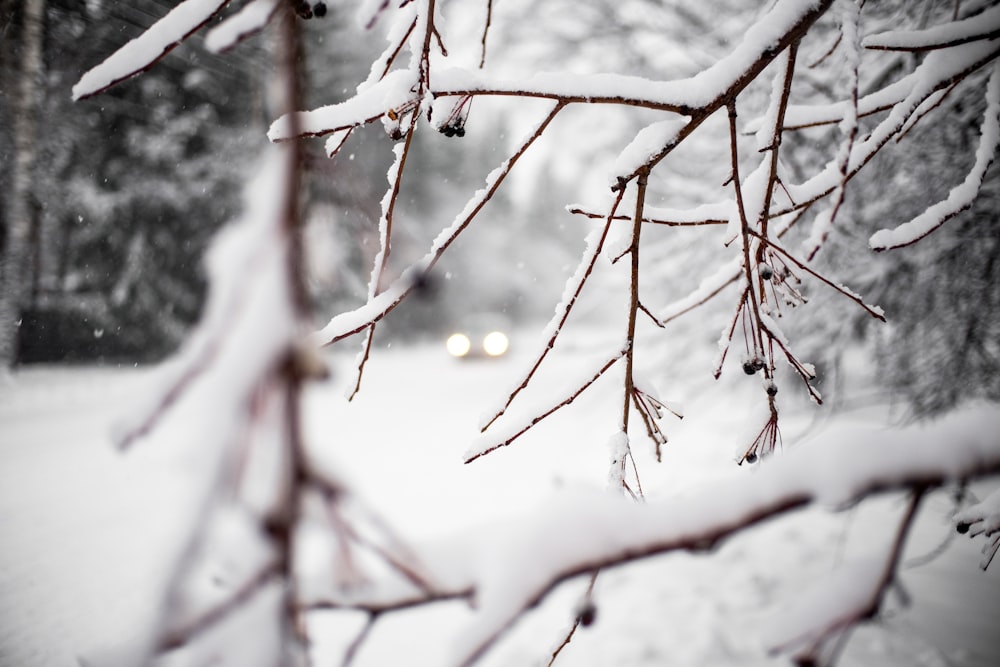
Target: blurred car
479, 337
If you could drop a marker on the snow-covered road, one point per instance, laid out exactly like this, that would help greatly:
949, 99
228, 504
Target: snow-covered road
86, 534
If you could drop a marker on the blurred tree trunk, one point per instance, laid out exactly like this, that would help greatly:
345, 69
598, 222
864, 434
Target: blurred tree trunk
16, 247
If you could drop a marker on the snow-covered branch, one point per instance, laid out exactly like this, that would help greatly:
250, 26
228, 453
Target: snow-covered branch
510, 567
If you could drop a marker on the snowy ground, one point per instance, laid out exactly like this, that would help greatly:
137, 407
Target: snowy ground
86, 533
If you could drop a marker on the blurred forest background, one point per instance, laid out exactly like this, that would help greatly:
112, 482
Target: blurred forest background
128, 188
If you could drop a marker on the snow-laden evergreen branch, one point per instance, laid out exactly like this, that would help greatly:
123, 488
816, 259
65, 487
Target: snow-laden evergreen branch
962, 196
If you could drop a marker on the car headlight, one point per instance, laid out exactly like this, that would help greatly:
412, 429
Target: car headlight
458, 345
495, 343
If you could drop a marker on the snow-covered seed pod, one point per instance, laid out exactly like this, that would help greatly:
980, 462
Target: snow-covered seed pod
391, 123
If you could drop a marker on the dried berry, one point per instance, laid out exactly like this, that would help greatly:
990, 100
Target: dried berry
766, 272
962, 527
587, 614
748, 367
751, 457
303, 9
771, 389
453, 128
319, 10
758, 364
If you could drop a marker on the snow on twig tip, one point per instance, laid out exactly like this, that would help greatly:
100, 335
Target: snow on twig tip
648, 142
250, 20
145, 50
393, 92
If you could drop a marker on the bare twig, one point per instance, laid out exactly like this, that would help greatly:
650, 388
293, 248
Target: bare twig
427, 263
359, 640
385, 246
576, 210
181, 635
874, 311
555, 408
585, 614
562, 314
873, 603
486, 29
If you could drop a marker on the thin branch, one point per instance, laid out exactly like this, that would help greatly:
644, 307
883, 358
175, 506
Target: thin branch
826, 54
555, 408
576, 210
758, 341
584, 271
580, 618
386, 606
633, 309
392, 297
385, 246
486, 29
359, 640
874, 311
874, 601
398, 49
181, 635
825, 221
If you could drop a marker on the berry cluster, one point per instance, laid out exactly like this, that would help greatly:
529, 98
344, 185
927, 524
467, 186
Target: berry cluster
306, 10
454, 125
751, 366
